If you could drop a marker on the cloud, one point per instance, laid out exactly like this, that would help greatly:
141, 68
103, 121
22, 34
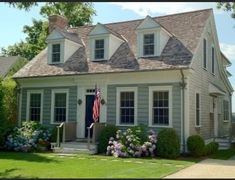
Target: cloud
228, 50
153, 8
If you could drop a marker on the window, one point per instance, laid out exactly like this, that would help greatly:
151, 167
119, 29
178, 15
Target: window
34, 105
204, 54
213, 60
148, 44
197, 109
126, 106
226, 110
59, 106
160, 106
55, 53
99, 49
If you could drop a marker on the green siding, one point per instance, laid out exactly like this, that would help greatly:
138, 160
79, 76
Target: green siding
47, 103
143, 104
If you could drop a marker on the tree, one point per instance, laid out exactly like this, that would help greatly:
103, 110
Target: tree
227, 6
77, 14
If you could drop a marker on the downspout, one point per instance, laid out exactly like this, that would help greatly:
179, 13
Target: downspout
183, 85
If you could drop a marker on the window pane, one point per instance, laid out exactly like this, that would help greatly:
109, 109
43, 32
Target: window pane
148, 44
226, 110
148, 38
56, 48
99, 54
99, 43
35, 107
60, 100
127, 107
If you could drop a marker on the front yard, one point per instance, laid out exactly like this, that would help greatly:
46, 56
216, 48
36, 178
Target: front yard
50, 165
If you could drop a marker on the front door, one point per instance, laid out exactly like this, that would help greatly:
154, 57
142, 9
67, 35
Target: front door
88, 116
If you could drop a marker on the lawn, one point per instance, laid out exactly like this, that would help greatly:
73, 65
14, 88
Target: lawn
50, 165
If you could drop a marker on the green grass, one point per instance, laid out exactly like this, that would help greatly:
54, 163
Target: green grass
223, 154
49, 165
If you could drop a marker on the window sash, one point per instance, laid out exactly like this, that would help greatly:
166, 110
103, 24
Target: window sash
204, 53
56, 53
160, 108
99, 49
127, 107
35, 107
213, 60
197, 109
60, 103
148, 45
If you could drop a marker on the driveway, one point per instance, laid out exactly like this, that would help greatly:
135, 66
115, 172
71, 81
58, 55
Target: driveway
209, 168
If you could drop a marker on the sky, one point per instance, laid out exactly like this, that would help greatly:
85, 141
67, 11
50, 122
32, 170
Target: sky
13, 21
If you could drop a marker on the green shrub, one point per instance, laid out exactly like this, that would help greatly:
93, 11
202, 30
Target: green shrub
108, 131
196, 145
211, 148
140, 132
168, 144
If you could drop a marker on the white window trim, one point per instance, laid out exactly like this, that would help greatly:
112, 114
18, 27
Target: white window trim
29, 92
53, 92
126, 89
50, 44
92, 40
205, 68
200, 105
160, 88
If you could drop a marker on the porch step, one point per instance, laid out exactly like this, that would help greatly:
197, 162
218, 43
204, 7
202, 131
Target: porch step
75, 148
223, 143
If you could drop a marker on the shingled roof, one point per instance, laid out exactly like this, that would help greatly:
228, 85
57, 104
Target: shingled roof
6, 64
186, 29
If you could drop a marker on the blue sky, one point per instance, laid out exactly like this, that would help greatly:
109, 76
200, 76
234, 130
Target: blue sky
13, 21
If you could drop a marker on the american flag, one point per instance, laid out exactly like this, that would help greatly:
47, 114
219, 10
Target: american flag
96, 106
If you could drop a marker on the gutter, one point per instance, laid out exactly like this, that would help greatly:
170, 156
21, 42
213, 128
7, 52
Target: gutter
183, 85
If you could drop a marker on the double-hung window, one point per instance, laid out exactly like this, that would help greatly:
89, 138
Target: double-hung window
148, 44
55, 53
197, 110
226, 110
59, 106
99, 49
160, 106
213, 60
126, 106
204, 54
34, 110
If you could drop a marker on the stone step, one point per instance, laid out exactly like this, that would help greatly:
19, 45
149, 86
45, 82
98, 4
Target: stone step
77, 145
74, 151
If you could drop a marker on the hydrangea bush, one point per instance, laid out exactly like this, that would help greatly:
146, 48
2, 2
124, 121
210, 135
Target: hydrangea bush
31, 136
128, 144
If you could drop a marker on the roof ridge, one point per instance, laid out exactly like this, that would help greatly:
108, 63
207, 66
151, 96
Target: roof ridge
150, 16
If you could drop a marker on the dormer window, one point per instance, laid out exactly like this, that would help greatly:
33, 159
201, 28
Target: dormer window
99, 49
148, 44
55, 53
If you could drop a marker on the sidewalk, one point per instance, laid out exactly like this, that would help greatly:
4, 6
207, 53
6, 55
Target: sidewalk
209, 168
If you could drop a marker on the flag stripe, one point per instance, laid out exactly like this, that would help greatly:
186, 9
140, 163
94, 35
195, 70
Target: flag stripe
96, 105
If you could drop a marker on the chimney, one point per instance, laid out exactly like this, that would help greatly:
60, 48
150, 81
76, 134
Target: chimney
57, 21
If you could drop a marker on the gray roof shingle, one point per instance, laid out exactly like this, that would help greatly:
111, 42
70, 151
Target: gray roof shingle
186, 27
6, 63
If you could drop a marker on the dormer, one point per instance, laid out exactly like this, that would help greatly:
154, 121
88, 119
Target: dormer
60, 43
103, 42
151, 38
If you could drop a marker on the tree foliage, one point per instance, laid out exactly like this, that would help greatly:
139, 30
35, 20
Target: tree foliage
227, 6
77, 14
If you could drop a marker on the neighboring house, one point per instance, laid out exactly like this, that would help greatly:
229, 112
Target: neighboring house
6, 64
163, 72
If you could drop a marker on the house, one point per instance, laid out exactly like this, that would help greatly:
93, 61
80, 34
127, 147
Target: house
8, 63
164, 72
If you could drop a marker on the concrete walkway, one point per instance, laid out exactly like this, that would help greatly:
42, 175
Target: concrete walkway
209, 168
